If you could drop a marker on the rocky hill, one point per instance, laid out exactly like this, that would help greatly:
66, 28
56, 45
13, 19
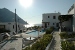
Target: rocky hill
8, 16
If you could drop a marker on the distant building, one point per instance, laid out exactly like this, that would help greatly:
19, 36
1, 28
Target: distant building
7, 21
50, 19
12, 27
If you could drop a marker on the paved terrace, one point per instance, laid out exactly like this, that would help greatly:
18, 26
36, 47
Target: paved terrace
15, 44
56, 43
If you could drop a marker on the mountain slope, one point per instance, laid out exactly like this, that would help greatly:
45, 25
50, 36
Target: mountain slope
8, 16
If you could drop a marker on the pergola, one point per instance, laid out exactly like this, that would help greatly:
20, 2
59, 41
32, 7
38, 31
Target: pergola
63, 18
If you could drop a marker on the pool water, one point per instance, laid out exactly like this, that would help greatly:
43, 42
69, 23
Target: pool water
35, 33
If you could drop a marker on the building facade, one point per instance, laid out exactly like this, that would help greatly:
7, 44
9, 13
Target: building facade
50, 19
11, 26
11, 21
72, 11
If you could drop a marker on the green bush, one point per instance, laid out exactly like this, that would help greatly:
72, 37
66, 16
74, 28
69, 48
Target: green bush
64, 35
66, 45
41, 44
49, 31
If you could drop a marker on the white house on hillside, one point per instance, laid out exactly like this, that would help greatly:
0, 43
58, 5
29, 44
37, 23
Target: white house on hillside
50, 19
11, 21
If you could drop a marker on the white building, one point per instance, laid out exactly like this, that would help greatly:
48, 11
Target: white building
67, 24
11, 21
50, 19
12, 26
72, 11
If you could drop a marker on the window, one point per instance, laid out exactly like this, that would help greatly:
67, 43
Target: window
53, 24
13, 26
48, 16
45, 25
54, 17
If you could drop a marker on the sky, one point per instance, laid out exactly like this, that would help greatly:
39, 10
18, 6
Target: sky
33, 14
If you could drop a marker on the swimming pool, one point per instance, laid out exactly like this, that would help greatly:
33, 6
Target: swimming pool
35, 33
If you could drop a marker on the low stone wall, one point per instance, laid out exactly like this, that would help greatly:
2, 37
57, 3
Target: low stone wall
47, 48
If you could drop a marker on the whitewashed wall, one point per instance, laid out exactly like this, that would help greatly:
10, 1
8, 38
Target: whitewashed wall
10, 26
67, 24
74, 19
73, 12
50, 19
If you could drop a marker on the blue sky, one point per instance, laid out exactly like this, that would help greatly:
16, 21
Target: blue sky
33, 14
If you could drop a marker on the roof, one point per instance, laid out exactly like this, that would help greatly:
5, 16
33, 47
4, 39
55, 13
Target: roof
53, 13
67, 15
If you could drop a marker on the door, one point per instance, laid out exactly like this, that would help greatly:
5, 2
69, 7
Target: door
57, 25
45, 25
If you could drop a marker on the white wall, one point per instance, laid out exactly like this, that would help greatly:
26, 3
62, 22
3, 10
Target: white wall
50, 19
9, 26
74, 19
67, 24
71, 12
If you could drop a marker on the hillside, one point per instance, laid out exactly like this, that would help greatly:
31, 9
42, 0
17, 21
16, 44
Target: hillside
8, 16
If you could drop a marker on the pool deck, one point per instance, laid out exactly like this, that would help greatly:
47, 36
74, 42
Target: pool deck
17, 43
13, 45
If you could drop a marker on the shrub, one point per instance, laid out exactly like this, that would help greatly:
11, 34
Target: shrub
66, 45
52, 28
64, 35
41, 44
49, 31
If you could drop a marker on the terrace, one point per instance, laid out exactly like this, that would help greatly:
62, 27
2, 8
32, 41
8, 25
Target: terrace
66, 22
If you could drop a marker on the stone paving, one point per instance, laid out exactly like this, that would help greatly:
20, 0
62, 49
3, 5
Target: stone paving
15, 44
56, 43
